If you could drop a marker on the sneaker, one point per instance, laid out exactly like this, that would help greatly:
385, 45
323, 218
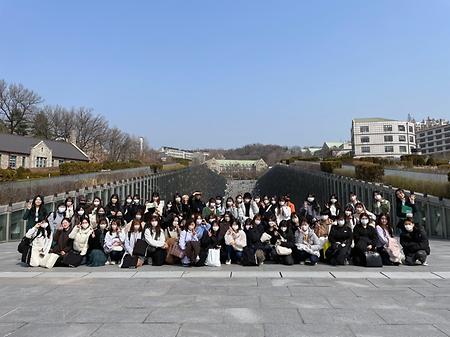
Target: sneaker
197, 258
261, 263
425, 263
302, 262
107, 263
113, 262
228, 262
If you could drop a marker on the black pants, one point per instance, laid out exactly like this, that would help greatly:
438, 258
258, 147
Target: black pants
384, 256
158, 257
116, 256
337, 255
411, 258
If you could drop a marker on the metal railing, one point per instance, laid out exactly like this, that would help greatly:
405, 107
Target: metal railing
433, 212
12, 225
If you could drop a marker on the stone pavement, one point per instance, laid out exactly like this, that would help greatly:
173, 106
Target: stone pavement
271, 300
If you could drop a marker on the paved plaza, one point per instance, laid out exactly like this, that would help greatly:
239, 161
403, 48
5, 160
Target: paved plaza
271, 300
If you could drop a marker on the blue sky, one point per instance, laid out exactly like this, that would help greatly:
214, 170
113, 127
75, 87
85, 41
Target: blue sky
229, 73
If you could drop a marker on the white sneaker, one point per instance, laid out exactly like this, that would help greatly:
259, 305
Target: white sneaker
425, 263
113, 262
197, 258
107, 263
228, 262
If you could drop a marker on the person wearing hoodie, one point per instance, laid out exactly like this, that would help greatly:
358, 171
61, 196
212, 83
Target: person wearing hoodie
365, 239
340, 239
414, 241
55, 218
42, 238
307, 244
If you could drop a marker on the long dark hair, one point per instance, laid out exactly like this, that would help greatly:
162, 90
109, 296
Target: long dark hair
47, 231
157, 229
388, 225
41, 207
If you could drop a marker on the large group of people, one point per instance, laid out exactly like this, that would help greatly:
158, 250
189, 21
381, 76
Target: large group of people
247, 230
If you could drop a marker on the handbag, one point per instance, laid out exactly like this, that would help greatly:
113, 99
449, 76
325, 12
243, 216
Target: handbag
72, 259
213, 259
140, 248
265, 237
175, 250
129, 261
373, 259
24, 244
283, 251
49, 260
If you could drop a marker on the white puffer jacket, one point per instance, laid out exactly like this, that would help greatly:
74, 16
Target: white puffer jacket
80, 238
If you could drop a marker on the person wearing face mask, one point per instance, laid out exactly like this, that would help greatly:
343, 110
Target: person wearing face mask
80, 236
353, 201
289, 203
55, 218
380, 205
210, 209
212, 240
294, 223
112, 207
246, 207
349, 218
333, 206
285, 239
414, 241
323, 227
196, 203
42, 238
154, 235
186, 206
271, 205
80, 213
361, 209
127, 209
307, 244
311, 208
114, 243
269, 239
96, 256
405, 207
202, 226
340, 239
225, 223
387, 246
35, 212
156, 206
365, 239
137, 206
172, 234
177, 205
231, 208
253, 253
190, 243
220, 207
70, 208
283, 211
130, 259
235, 241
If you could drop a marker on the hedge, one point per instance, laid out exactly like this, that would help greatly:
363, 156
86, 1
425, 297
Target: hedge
8, 174
415, 159
369, 172
329, 166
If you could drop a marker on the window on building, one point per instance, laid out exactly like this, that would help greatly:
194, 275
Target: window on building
388, 149
364, 129
439, 137
41, 162
411, 139
402, 138
430, 138
422, 135
439, 142
447, 147
429, 132
12, 161
387, 128
411, 129
61, 161
365, 149
438, 131
439, 148
365, 139
447, 129
401, 128
388, 138
402, 148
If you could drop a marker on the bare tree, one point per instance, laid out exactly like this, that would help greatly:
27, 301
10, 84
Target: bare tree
90, 130
17, 105
61, 122
40, 126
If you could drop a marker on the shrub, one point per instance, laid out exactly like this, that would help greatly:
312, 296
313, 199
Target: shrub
8, 174
23, 173
329, 166
78, 168
415, 159
369, 172
431, 162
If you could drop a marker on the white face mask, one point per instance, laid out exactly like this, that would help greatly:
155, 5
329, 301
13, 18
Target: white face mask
113, 201
295, 220
409, 228
227, 219
333, 201
235, 227
257, 200
266, 202
212, 204
341, 223
353, 198
114, 228
273, 202
304, 228
283, 229
102, 226
364, 222
61, 209
215, 228
229, 203
272, 224
177, 199
138, 217
348, 213
198, 221
96, 203
175, 223
247, 201
257, 222
80, 212
239, 200
378, 197
282, 203
85, 225
324, 217
136, 201
218, 202
44, 225
129, 200
310, 199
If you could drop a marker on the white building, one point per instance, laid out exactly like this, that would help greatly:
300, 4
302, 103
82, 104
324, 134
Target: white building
336, 149
172, 152
433, 136
380, 137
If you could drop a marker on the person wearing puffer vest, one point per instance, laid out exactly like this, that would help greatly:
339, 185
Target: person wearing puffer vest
42, 237
80, 236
